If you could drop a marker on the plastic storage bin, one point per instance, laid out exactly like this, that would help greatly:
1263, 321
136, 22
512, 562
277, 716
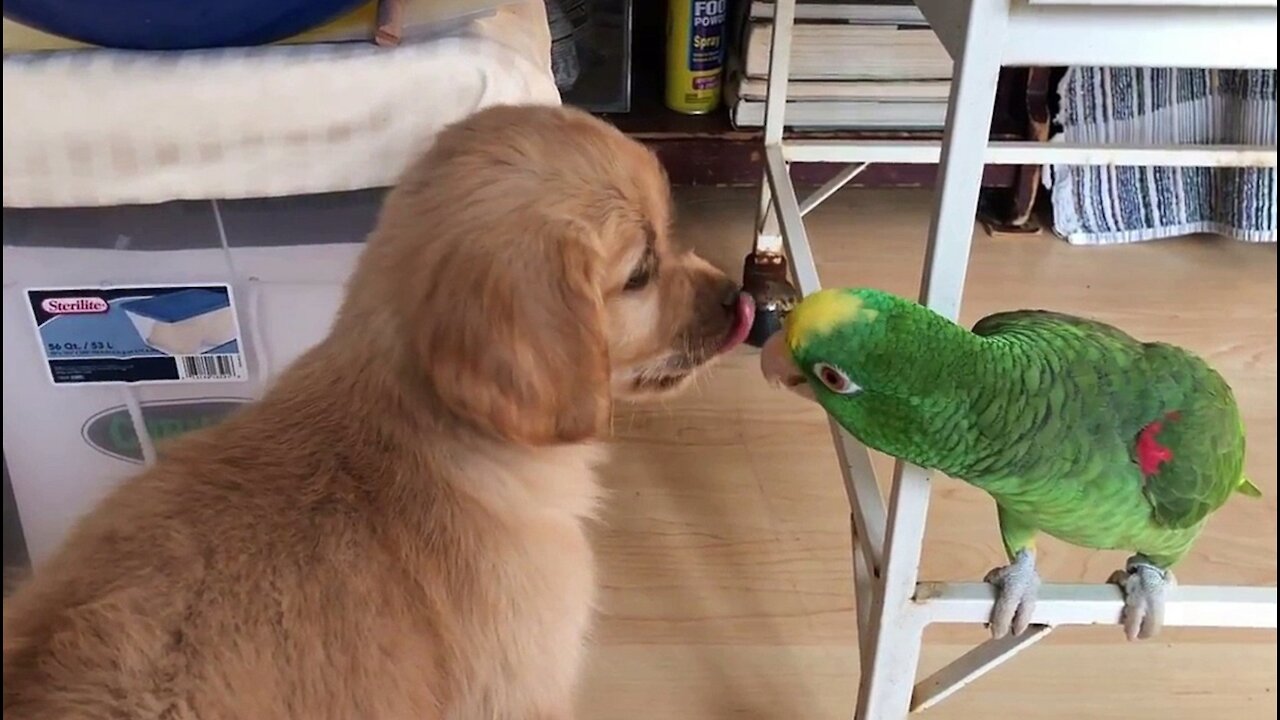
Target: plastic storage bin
285, 259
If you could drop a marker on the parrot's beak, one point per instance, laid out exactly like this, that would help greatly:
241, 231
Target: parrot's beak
780, 369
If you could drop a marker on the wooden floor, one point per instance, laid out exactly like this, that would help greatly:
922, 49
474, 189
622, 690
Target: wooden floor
725, 553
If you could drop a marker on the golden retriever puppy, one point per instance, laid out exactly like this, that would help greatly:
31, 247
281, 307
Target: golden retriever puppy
395, 531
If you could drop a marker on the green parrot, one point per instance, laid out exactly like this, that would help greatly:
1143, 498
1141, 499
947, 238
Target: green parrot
1075, 428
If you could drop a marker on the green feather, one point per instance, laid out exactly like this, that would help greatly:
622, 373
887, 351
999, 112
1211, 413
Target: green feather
1042, 410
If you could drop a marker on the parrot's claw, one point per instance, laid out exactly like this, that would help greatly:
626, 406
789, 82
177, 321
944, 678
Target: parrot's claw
1017, 585
1144, 586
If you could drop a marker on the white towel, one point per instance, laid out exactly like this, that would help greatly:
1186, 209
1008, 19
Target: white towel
105, 127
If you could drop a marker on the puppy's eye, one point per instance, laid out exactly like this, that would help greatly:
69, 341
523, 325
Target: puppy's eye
639, 278
835, 379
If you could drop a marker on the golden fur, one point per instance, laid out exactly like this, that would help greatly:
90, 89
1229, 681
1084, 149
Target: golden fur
395, 531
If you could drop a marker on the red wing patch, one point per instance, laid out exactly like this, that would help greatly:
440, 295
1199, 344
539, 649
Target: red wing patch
1151, 454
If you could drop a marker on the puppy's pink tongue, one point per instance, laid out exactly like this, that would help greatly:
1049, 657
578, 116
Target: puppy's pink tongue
744, 316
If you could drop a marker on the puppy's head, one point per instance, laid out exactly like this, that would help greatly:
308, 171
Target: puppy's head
528, 269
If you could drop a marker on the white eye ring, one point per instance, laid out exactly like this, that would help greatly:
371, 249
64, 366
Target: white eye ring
836, 380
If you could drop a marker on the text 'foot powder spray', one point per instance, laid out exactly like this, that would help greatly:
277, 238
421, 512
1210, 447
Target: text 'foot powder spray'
695, 54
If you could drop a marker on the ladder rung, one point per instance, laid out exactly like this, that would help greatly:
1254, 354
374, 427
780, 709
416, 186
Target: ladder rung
1067, 604
927, 152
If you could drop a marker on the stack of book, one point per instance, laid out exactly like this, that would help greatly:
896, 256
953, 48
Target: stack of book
855, 64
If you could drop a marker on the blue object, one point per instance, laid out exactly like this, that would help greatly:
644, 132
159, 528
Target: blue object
178, 306
176, 24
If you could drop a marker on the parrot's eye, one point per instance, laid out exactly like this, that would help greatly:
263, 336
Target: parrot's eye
835, 379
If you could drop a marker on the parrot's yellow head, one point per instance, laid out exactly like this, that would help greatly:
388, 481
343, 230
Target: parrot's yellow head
852, 344
883, 366
822, 312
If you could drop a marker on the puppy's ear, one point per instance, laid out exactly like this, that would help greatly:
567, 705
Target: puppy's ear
519, 350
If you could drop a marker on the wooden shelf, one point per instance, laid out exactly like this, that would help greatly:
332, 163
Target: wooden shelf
708, 150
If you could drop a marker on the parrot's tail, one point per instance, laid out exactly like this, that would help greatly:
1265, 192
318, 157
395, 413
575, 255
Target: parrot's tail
1248, 488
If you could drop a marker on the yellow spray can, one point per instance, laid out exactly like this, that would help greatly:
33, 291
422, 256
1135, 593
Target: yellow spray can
695, 54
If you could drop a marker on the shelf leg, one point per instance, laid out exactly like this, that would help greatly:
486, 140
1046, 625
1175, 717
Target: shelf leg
764, 274
964, 145
888, 679
892, 652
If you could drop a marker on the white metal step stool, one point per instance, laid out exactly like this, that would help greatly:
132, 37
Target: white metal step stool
893, 608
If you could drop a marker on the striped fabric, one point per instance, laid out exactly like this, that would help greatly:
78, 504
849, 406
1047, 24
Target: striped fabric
1145, 106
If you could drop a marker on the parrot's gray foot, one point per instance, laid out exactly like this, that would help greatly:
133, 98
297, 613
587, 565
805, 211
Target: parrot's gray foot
1016, 587
1144, 586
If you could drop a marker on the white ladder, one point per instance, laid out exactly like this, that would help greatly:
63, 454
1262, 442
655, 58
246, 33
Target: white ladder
893, 605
